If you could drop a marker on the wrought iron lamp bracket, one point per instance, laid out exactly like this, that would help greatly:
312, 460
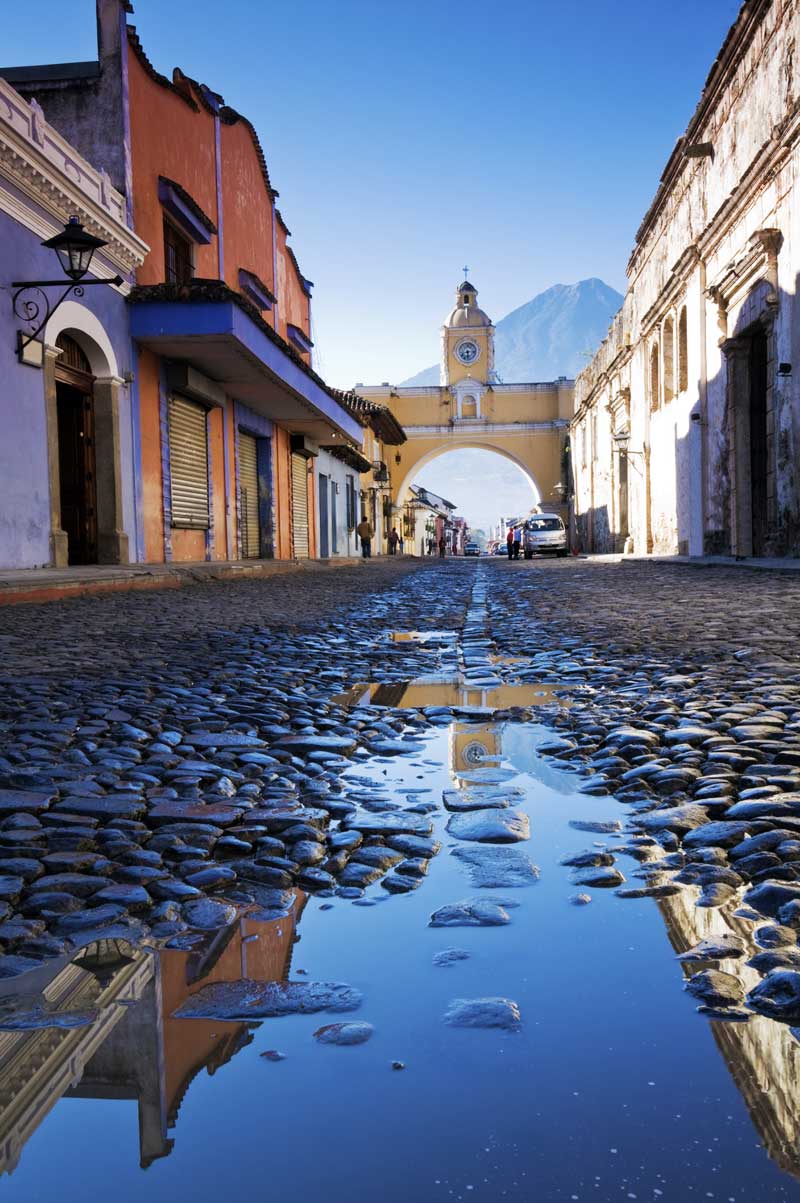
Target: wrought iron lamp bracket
36, 309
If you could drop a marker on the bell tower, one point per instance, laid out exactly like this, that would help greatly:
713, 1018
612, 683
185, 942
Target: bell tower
467, 340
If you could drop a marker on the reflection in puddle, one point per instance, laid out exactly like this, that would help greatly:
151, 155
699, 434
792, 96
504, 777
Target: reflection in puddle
472, 745
763, 1056
423, 637
122, 1040
107, 1024
450, 692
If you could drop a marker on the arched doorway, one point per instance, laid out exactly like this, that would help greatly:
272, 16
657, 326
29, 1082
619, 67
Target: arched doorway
77, 474
82, 398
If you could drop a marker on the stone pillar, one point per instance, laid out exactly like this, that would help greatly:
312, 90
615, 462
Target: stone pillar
737, 364
112, 541
648, 506
59, 548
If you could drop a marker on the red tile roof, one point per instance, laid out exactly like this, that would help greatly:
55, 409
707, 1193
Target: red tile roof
378, 417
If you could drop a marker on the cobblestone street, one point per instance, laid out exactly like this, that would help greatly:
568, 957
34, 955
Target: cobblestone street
192, 780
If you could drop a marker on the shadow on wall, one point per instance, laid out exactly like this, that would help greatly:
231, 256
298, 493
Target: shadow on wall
735, 468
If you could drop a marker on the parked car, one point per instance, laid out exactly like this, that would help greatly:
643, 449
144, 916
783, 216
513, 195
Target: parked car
543, 534
471, 549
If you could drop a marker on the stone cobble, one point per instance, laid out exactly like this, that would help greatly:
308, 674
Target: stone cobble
684, 702
169, 759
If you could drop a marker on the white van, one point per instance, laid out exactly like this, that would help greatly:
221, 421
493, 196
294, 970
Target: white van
544, 533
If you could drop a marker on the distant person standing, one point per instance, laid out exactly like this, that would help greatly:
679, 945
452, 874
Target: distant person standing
442, 548
365, 532
517, 541
510, 543
393, 541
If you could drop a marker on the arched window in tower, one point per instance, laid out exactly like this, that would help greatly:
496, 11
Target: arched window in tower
683, 352
653, 382
469, 407
668, 344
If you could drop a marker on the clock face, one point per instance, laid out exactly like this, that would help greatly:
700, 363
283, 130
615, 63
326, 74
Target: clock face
467, 351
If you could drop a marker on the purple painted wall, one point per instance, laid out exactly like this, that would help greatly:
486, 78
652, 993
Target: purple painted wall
24, 491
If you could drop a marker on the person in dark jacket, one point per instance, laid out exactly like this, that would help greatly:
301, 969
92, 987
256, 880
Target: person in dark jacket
365, 532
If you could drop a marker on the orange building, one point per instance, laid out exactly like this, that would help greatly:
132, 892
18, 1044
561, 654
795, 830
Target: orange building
228, 410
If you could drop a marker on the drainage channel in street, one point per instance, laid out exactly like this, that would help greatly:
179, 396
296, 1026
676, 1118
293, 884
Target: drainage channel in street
490, 1023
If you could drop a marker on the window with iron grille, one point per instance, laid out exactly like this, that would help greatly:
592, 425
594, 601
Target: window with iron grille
178, 266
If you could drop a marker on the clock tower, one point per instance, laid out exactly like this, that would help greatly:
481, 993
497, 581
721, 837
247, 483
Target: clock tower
467, 341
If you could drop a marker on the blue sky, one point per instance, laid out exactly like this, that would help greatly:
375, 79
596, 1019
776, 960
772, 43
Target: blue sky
524, 138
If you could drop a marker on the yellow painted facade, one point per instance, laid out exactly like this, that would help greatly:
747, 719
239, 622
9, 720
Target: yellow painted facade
472, 408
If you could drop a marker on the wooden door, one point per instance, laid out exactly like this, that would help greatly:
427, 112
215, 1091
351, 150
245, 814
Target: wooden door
759, 442
76, 451
76, 466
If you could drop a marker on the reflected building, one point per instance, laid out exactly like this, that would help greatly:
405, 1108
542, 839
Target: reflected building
449, 691
132, 1047
472, 745
763, 1056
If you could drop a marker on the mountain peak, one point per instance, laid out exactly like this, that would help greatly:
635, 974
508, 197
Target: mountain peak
553, 334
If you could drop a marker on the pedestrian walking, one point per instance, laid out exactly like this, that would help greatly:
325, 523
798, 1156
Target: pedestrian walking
510, 543
517, 541
393, 541
442, 548
365, 532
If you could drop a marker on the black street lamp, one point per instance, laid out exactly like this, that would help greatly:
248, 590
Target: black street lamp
75, 248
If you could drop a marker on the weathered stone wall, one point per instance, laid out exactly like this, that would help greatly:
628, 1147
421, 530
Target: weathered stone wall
715, 264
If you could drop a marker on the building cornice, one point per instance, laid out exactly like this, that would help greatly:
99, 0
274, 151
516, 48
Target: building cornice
41, 165
479, 426
446, 390
736, 44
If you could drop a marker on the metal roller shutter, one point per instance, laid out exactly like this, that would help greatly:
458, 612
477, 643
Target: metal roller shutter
188, 463
248, 496
300, 506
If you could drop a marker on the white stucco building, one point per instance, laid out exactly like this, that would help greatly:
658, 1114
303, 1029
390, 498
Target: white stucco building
686, 431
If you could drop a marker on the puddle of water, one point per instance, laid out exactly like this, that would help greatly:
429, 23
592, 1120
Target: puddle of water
613, 1088
453, 692
423, 637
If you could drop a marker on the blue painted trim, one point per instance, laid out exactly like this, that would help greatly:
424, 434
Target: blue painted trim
136, 455
275, 265
220, 220
266, 499
226, 446
166, 470
182, 214
249, 422
210, 539
299, 338
153, 320
253, 290
252, 423
126, 114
